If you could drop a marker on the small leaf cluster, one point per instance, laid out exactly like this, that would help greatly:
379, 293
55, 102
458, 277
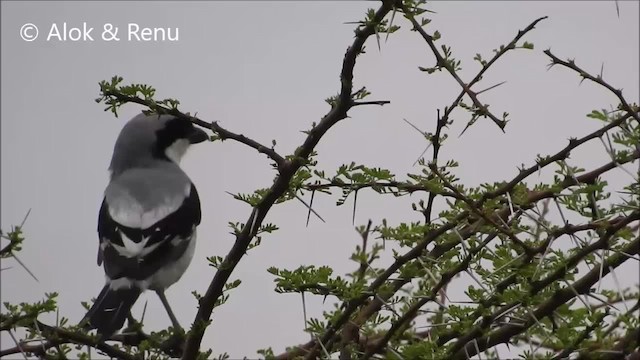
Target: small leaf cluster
114, 95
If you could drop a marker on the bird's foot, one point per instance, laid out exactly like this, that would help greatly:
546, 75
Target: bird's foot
174, 344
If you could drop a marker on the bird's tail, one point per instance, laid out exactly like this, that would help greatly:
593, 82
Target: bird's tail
109, 311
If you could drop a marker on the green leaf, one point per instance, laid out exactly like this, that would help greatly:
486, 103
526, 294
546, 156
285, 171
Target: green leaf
595, 114
527, 45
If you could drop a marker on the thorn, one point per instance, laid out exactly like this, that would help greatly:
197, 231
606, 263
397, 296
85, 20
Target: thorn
42, 342
25, 267
415, 127
393, 15
310, 208
323, 348
25, 218
144, 311
422, 154
491, 87
620, 291
304, 312
18, 345
355, 201
466, 127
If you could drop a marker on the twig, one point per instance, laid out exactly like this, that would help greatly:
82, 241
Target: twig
222, 132
61, 336
440, 61
598, 80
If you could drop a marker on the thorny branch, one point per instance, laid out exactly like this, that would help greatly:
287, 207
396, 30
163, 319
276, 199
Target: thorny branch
59, 336
502, 334
468, 230
633, 111
213, 126
441, 62
338, 112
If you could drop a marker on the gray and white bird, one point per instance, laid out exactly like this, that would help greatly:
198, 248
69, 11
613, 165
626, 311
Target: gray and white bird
148, 218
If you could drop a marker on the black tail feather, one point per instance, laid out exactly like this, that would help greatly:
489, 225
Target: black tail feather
110, 310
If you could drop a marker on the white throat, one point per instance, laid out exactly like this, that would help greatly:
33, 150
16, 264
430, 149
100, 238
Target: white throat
176, 150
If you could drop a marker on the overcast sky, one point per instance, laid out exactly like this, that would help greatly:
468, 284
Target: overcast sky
264, 69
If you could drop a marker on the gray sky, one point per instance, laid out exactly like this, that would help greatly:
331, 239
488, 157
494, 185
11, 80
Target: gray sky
264, 69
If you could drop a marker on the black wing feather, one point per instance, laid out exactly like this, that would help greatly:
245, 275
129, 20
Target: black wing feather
179, 224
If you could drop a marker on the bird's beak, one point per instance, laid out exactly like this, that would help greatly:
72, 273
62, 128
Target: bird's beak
197, 136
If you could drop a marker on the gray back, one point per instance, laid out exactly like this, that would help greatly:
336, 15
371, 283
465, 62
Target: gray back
163, 185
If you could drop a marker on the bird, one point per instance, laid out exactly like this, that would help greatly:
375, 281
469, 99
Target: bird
148, 218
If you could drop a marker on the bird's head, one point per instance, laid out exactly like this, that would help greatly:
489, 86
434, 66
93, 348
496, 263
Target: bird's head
149, 138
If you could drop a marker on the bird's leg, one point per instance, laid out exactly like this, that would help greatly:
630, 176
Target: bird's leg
131, 321
164, 301
174, 345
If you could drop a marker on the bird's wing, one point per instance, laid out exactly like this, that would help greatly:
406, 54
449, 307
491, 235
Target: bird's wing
137, 240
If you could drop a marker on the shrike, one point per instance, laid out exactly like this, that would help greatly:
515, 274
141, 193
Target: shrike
148, 218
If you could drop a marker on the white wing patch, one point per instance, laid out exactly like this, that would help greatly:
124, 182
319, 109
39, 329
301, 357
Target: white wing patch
165, 276
131, 248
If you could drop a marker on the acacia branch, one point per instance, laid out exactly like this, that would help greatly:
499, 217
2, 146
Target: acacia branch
468, 230
397, 185
440, 249
567, 229
57, 336
376, 345
351, 331
411, 313
485, 67
54, 336
441, 62
437, 144
6, 251
442, 121
469, 344
338, 112
505, 231
633, 111
213, 126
